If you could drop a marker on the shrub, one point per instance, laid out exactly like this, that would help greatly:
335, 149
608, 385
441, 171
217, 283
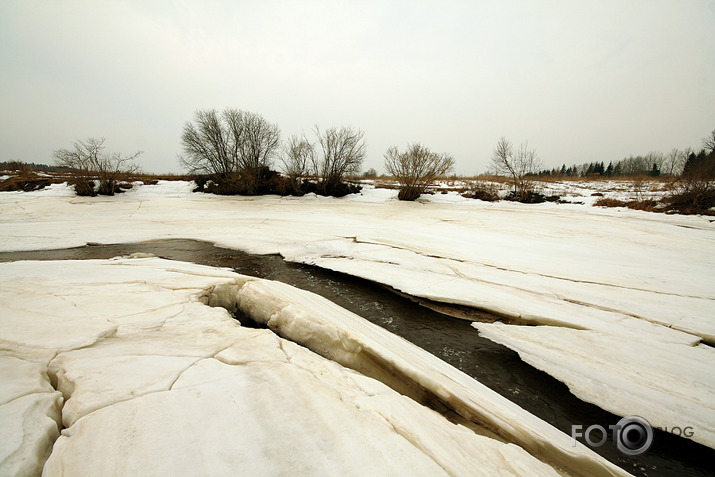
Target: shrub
92, 170
647, 205
258, 182
520, 165
24, 182
298, 155
604, 202
486, 191
416, 169
342, 153
526, 197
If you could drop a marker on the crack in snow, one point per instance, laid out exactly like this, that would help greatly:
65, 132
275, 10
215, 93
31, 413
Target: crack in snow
497, 267
138, 393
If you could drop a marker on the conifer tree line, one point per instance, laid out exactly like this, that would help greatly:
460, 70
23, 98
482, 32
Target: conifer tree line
674, 163
632, 166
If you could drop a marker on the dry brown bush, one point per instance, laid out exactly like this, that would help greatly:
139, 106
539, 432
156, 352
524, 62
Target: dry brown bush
416, 169
647, 205
482, 190
88, 163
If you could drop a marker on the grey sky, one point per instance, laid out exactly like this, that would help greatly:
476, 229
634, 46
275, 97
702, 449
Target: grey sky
581, 81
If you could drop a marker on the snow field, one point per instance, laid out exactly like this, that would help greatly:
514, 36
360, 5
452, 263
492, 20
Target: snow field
621, 302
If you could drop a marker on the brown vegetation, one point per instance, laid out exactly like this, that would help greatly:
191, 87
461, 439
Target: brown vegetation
482, 190
647, 205
416, 169
92, 170
27, 180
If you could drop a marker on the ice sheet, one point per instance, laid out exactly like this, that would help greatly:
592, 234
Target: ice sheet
643, 276
29, 416
671, 384
190, 391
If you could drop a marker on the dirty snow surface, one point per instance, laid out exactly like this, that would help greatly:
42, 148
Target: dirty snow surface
618, 304
142, 366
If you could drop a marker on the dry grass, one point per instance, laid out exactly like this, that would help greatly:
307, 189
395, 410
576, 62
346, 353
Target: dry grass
26, 179
647, 205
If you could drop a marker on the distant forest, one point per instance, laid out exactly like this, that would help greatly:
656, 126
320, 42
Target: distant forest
16, 165
652, 164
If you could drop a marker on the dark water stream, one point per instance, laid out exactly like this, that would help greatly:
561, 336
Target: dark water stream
450, 339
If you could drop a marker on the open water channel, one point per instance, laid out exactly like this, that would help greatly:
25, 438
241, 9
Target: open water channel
453, 340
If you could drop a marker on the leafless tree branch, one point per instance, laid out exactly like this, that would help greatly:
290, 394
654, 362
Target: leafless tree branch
517, 164
343, 150
233, 142
417, 168
88, 163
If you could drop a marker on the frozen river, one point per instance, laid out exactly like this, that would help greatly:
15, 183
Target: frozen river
450, 339
604, 306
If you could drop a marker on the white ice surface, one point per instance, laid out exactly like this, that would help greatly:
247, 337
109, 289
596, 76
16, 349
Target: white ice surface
645, 277
29, 412
672, 384
176, 387
342, 336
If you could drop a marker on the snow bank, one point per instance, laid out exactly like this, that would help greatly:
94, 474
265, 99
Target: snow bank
177, 387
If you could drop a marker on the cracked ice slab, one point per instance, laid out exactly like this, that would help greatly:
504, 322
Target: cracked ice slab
671, 385
544, 263
344, 337
647, 277
193, 392
29, 415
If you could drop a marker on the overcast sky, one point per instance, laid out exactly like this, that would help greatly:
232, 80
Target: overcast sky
582, 81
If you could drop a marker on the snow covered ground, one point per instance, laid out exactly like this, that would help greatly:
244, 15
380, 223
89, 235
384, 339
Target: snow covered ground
623, 300
577, 190
146, 379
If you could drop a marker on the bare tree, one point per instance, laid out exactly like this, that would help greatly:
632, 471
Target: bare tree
674, 161
343, 150
709, 142
517, 164
416, 169
298, 155
655, 158
256, 139
206, 145
88, 163
227, 144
